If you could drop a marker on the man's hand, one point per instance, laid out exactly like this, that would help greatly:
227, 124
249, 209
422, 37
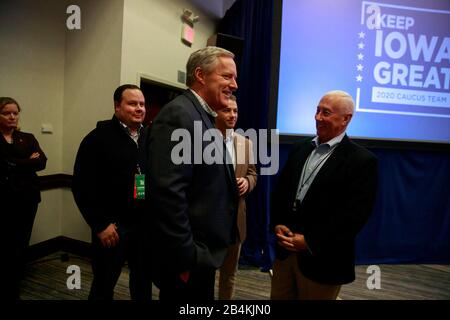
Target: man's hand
35, 155
281, 230
289, 240
242, 184
109, 237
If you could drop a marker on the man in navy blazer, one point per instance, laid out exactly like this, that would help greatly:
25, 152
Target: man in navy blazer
193, 201
323, 198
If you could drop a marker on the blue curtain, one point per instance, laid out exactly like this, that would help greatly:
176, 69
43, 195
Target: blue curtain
252, 20
411, 218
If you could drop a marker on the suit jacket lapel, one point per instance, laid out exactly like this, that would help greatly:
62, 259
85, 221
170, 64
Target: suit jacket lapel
299, 162
239, 155
210, 125
330, 166
205, 117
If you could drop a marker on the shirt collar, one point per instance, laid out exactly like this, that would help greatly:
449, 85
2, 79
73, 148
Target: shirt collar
204, 105
127, 129
332, 143
229, 135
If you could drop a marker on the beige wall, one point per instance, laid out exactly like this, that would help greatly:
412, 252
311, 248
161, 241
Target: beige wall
152, 39
47, 224
32, 39
66, 78
92, 72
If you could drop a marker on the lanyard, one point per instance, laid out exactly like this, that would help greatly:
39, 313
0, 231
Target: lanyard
303, 179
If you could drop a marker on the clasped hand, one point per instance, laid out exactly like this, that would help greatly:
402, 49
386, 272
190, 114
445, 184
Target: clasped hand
289, 240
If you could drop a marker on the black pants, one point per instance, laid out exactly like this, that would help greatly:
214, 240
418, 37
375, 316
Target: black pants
18, 219
199, 287
107, 266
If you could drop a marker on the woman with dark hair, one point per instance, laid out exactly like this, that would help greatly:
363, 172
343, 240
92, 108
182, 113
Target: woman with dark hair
20, 158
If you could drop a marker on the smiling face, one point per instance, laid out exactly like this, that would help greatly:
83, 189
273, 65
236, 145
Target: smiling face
131, 108
332, 118
227, 117
219, 83
9, 117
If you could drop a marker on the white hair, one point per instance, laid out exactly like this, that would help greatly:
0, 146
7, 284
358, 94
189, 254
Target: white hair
205, 58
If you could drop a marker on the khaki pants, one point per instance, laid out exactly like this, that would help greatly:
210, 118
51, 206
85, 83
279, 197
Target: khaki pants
288, 283
228, 271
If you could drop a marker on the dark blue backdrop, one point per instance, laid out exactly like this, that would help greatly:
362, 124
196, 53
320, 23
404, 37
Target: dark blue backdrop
411, 218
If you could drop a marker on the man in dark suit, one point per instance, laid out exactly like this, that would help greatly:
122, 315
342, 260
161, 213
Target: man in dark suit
106, 182
193, 202
323, 198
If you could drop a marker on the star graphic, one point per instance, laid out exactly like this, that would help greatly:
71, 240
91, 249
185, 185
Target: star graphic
360, 45
359, 67
361, 35
359, 78
360, 56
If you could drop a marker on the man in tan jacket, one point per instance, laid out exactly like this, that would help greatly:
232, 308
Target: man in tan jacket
239, 149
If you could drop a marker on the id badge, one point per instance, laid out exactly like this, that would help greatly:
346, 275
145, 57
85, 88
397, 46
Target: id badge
139, 186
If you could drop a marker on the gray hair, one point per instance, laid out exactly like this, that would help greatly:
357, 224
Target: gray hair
206, 59
345, 100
